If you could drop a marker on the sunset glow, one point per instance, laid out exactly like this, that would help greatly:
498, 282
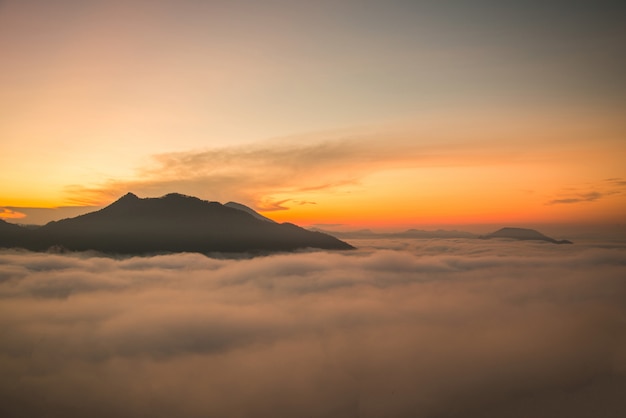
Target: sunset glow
389, 116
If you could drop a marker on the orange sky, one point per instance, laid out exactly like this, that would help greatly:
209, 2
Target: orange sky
380, 116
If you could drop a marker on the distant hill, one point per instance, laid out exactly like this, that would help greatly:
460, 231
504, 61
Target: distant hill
172, 223
508, 233
410, 233
522, 234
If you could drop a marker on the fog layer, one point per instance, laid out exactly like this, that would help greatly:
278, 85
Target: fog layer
424, 328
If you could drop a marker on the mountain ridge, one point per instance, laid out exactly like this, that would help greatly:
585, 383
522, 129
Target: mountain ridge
170, 223
522, 234
249, 210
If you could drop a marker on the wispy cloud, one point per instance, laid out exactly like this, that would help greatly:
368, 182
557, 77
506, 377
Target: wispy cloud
585, 197
40, 216
616, 181
7, 213
256, 173
269, 205
600, 190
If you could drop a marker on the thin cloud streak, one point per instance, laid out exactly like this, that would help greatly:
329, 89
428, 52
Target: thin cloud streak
9, 213
252, 173
452, 328
40, 216
586, 197
603, 189
309, 163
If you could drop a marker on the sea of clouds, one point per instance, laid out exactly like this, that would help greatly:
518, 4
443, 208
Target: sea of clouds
398, 328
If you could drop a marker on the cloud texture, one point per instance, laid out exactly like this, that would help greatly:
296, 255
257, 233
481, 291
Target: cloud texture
278, 173
600, 190
256, 172
430, 328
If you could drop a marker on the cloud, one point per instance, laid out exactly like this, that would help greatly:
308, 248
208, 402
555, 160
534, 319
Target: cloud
616, 181
41, 216
585, 197
454, 328
8, 213
270, 175
268, 205
600, 190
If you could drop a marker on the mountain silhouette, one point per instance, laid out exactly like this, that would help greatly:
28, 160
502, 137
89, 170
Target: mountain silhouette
523, 234
508, 233
12, 235
172, 223
6, 227
251, 211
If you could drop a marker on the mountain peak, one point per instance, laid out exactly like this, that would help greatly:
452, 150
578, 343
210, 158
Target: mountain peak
128, 199
523, 234
244, 208
128, 196
176, 196
171, 223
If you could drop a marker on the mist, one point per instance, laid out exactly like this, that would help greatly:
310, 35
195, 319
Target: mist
399, 328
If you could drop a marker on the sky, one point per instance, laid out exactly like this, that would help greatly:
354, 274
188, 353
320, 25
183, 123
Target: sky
346, 113
437, 328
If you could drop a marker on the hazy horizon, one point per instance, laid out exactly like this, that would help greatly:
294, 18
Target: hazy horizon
41, 216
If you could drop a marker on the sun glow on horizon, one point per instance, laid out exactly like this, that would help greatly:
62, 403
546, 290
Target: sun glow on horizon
396, 114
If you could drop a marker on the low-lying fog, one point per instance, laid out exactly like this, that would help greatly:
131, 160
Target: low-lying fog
402, 328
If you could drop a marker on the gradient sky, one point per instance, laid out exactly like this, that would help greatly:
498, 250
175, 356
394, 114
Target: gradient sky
359, 113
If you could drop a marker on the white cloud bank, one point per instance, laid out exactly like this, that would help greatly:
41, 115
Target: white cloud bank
432, 328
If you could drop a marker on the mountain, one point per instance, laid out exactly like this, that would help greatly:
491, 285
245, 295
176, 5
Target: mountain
11, 234
246, 209
172, 223
6, 227
509, 233
523, 234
